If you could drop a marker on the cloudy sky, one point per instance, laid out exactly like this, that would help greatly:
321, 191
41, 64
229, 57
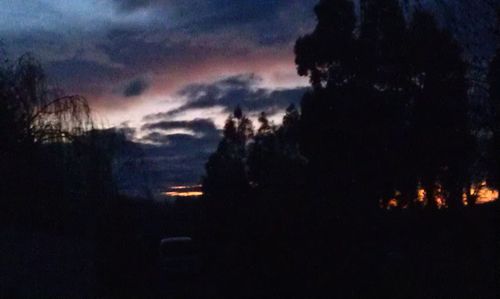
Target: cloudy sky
171, 70
132, 58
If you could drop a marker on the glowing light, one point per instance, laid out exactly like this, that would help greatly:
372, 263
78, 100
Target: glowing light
184, 194
421, 195
483, 194
480, 193
184, 191
392, 203
440, 202
464, 199
486, 195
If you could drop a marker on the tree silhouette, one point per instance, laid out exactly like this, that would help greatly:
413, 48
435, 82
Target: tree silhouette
494, 92
34, 118
440, 132
388, 114
385, 126
254, 192
38, 113
353, 120
274, 161
226, 184
323, 54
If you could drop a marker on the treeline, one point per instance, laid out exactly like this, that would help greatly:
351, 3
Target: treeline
387, 123
58, 181
53, 157
387, 118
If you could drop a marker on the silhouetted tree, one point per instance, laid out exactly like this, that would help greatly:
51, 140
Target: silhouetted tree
323, 55
360, 124
494, 92
37, 113
441, 137
34, 118
385, 121
274, 161
353, 120
326, 57
226, 184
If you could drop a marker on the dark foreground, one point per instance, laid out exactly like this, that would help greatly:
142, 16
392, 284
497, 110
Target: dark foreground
399, 254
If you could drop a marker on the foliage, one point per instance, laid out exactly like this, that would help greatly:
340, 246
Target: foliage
391, 114
52, 157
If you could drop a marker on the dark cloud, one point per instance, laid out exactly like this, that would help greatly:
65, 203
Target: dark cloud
82, 76
266, 20
133, 48
131, 5
205, 127
238, 12
213, 14
180, 158
171, 159
135, 88
238, 90
175, 54
127, 131
177, 158
172, 39
172, 140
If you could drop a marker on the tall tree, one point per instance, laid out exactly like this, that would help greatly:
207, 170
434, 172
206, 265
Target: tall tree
352, 119
226, 185
441, 137
33, 116
494, 92
381, 116
322, 55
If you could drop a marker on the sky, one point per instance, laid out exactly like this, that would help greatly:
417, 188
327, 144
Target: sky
167, 71
131, 58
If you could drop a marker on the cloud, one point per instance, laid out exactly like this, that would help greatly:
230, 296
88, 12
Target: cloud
239, 90
169, 139
135, 88
178, 158
203, 16
173, 43
82, 76
131, 5
198, 126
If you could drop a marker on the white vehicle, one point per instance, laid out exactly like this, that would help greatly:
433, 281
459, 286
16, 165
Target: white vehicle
179, 256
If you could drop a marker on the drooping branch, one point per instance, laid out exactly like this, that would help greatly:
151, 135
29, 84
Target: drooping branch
60, 119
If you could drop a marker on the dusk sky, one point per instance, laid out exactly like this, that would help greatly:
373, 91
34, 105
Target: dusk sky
132, 58
168, 70
171, 70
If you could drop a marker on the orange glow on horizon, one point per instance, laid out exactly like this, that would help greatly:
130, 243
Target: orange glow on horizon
486, 195
481, 193
184, 194
184, 191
